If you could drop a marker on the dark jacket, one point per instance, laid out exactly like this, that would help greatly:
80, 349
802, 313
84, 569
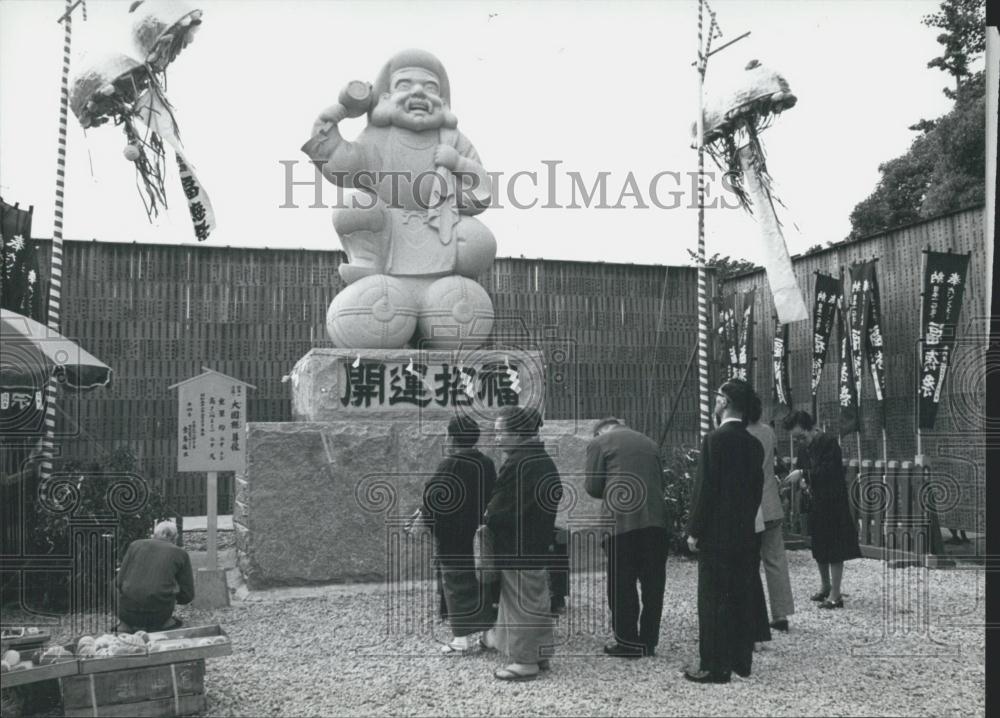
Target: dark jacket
455, 498
727, 490
522, 512
154, 575
624, 469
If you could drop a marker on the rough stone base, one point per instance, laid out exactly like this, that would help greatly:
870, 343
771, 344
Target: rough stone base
321, 389
210, 588
326, 501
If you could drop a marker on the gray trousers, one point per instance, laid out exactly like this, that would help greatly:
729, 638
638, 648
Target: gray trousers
525, 629
772, 556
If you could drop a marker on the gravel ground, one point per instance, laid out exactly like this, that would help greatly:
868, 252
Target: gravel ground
198, 540
334, 651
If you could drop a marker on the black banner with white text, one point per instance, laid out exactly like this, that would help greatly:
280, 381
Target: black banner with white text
944, 280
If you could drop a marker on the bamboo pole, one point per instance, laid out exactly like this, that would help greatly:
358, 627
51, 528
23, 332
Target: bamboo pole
703, 394
704, 51
56, 259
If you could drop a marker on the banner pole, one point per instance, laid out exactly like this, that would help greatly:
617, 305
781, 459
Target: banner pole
703, 395
857, 382
56, 258
859, 376
920, 353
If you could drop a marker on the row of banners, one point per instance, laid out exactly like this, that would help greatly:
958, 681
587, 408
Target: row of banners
862, 347
18, 265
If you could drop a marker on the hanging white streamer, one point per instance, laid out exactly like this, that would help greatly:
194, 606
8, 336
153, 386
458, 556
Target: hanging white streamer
785, 291
157, 117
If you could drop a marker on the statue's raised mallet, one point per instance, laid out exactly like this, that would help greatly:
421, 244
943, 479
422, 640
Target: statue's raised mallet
356, 98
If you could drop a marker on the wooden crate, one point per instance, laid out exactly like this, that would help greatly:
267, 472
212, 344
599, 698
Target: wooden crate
20, 640
118, 663
37, 673
173, 689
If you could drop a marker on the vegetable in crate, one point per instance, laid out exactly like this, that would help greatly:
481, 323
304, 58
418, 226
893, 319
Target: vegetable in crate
54, 654
133, 640
126, 649
105, 641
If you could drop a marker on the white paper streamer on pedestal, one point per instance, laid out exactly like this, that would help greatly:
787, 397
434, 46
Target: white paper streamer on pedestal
788, 302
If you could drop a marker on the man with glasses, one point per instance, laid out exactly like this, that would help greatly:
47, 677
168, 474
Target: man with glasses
724, 505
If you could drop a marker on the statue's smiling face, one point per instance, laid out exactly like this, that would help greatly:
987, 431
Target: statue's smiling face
414, 100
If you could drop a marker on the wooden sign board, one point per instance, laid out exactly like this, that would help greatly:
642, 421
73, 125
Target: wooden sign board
211, 426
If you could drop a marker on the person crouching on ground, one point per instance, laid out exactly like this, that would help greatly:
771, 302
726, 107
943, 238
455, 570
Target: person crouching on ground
154, 577
521, 516
453, 504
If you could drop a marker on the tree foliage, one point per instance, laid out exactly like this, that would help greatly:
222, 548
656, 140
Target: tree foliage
679, 471
944, 169
108, 492
727, 266
964, 38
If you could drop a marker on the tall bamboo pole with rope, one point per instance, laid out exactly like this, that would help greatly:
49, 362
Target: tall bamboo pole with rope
703, 394
55, 265
704, 51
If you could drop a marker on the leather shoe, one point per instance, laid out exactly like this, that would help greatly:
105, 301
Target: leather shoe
700, 676
781, 625
819, 596
839, 603
622, 651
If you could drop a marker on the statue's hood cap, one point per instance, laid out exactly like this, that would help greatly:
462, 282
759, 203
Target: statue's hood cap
413, 58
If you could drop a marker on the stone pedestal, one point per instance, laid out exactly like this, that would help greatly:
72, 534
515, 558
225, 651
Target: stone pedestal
326, 497
326, 501
375, 385
210, 588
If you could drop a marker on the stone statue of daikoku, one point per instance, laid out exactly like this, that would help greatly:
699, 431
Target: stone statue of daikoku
413, 243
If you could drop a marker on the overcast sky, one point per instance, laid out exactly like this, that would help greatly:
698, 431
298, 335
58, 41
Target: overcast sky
597, 86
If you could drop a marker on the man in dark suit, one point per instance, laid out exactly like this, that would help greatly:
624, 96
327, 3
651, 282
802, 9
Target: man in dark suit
624, 470
726, 495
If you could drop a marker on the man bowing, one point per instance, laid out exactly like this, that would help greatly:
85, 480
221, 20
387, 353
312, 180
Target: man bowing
726, 495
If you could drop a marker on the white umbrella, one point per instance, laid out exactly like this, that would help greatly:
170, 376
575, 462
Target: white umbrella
30, 353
